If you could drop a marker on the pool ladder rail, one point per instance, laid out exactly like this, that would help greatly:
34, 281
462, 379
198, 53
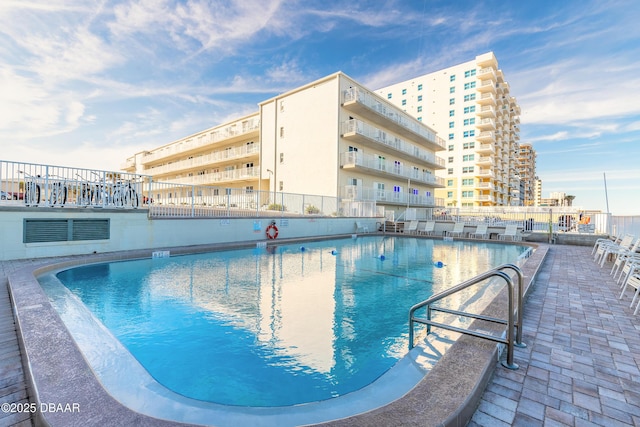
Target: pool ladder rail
514, 327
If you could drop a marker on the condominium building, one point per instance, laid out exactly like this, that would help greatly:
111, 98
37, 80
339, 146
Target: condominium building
471, 106
331, 137
537, 189
526, 167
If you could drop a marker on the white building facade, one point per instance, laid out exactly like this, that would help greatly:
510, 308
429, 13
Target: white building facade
471, 107
331, 137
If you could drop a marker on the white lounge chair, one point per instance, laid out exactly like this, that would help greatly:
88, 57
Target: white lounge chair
511, 231
605, 247
411, 228
361, 228
632, 266
458, 230
605, 241
623, 257
427, 228
633, 281
619, 251
480, 233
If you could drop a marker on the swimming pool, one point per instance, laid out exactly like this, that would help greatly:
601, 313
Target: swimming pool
285, 325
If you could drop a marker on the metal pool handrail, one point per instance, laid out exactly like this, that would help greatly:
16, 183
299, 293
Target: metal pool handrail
510, 321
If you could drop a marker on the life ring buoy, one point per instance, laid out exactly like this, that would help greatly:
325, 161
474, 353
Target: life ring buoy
272, 231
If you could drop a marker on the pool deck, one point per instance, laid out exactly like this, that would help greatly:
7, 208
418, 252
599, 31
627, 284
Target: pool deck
581, 365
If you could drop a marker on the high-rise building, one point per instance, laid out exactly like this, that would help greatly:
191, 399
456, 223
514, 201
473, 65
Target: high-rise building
537, 189
471, 107
526, 167
331, 137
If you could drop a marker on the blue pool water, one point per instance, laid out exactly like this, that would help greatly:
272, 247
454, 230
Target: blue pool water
276, 326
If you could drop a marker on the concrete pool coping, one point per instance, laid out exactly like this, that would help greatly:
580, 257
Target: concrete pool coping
448, 395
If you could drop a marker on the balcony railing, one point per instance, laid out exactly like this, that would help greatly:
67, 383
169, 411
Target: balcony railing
392, 113
206, 160
219, 177
204, 138
376, 164
387, 197
371, 132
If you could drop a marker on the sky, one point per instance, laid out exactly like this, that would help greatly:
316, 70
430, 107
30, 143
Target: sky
90, 83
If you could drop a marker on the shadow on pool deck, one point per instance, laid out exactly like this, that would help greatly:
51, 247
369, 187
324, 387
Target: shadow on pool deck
581, 362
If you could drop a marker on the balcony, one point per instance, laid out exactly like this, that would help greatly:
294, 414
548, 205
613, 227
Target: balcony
484, 173
485, 185
485, 161
487, 98
376, 166
354, 192
487, 73
486, 136
215, 178
216, 158
485, 148
359, 131
486, 124
487, 86
487, 111
483, 198
231, 133
373, 108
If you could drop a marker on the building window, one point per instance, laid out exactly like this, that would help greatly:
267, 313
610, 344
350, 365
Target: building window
419, 98
404, 91
419, 108
450, 160
467, 182
470, 73
281, 157
450, 171
470, 121
467, 169
449, 183
450, 136
452, 78
420, 118
452, 89
452, 101
468, 145
282, 106
282, 132
468, 157
470, 85
452, 125
420, 87
404, 102
450, 147
281, 186
449, 194
471, 109
452, 113
467, 194
470, 97
389, 96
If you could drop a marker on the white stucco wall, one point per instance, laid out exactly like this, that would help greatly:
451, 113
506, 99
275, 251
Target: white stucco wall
131, 230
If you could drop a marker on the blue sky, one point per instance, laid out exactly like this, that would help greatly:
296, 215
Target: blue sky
89, 83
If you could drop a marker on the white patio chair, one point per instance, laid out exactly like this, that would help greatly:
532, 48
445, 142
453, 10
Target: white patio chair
624, 257
480, 233
458, 230
632, 281
427, 228
511, 231
411, 228
361, 228
604, 249
605, 241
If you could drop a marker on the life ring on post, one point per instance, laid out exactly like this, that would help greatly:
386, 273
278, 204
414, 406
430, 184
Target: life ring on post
272, 231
